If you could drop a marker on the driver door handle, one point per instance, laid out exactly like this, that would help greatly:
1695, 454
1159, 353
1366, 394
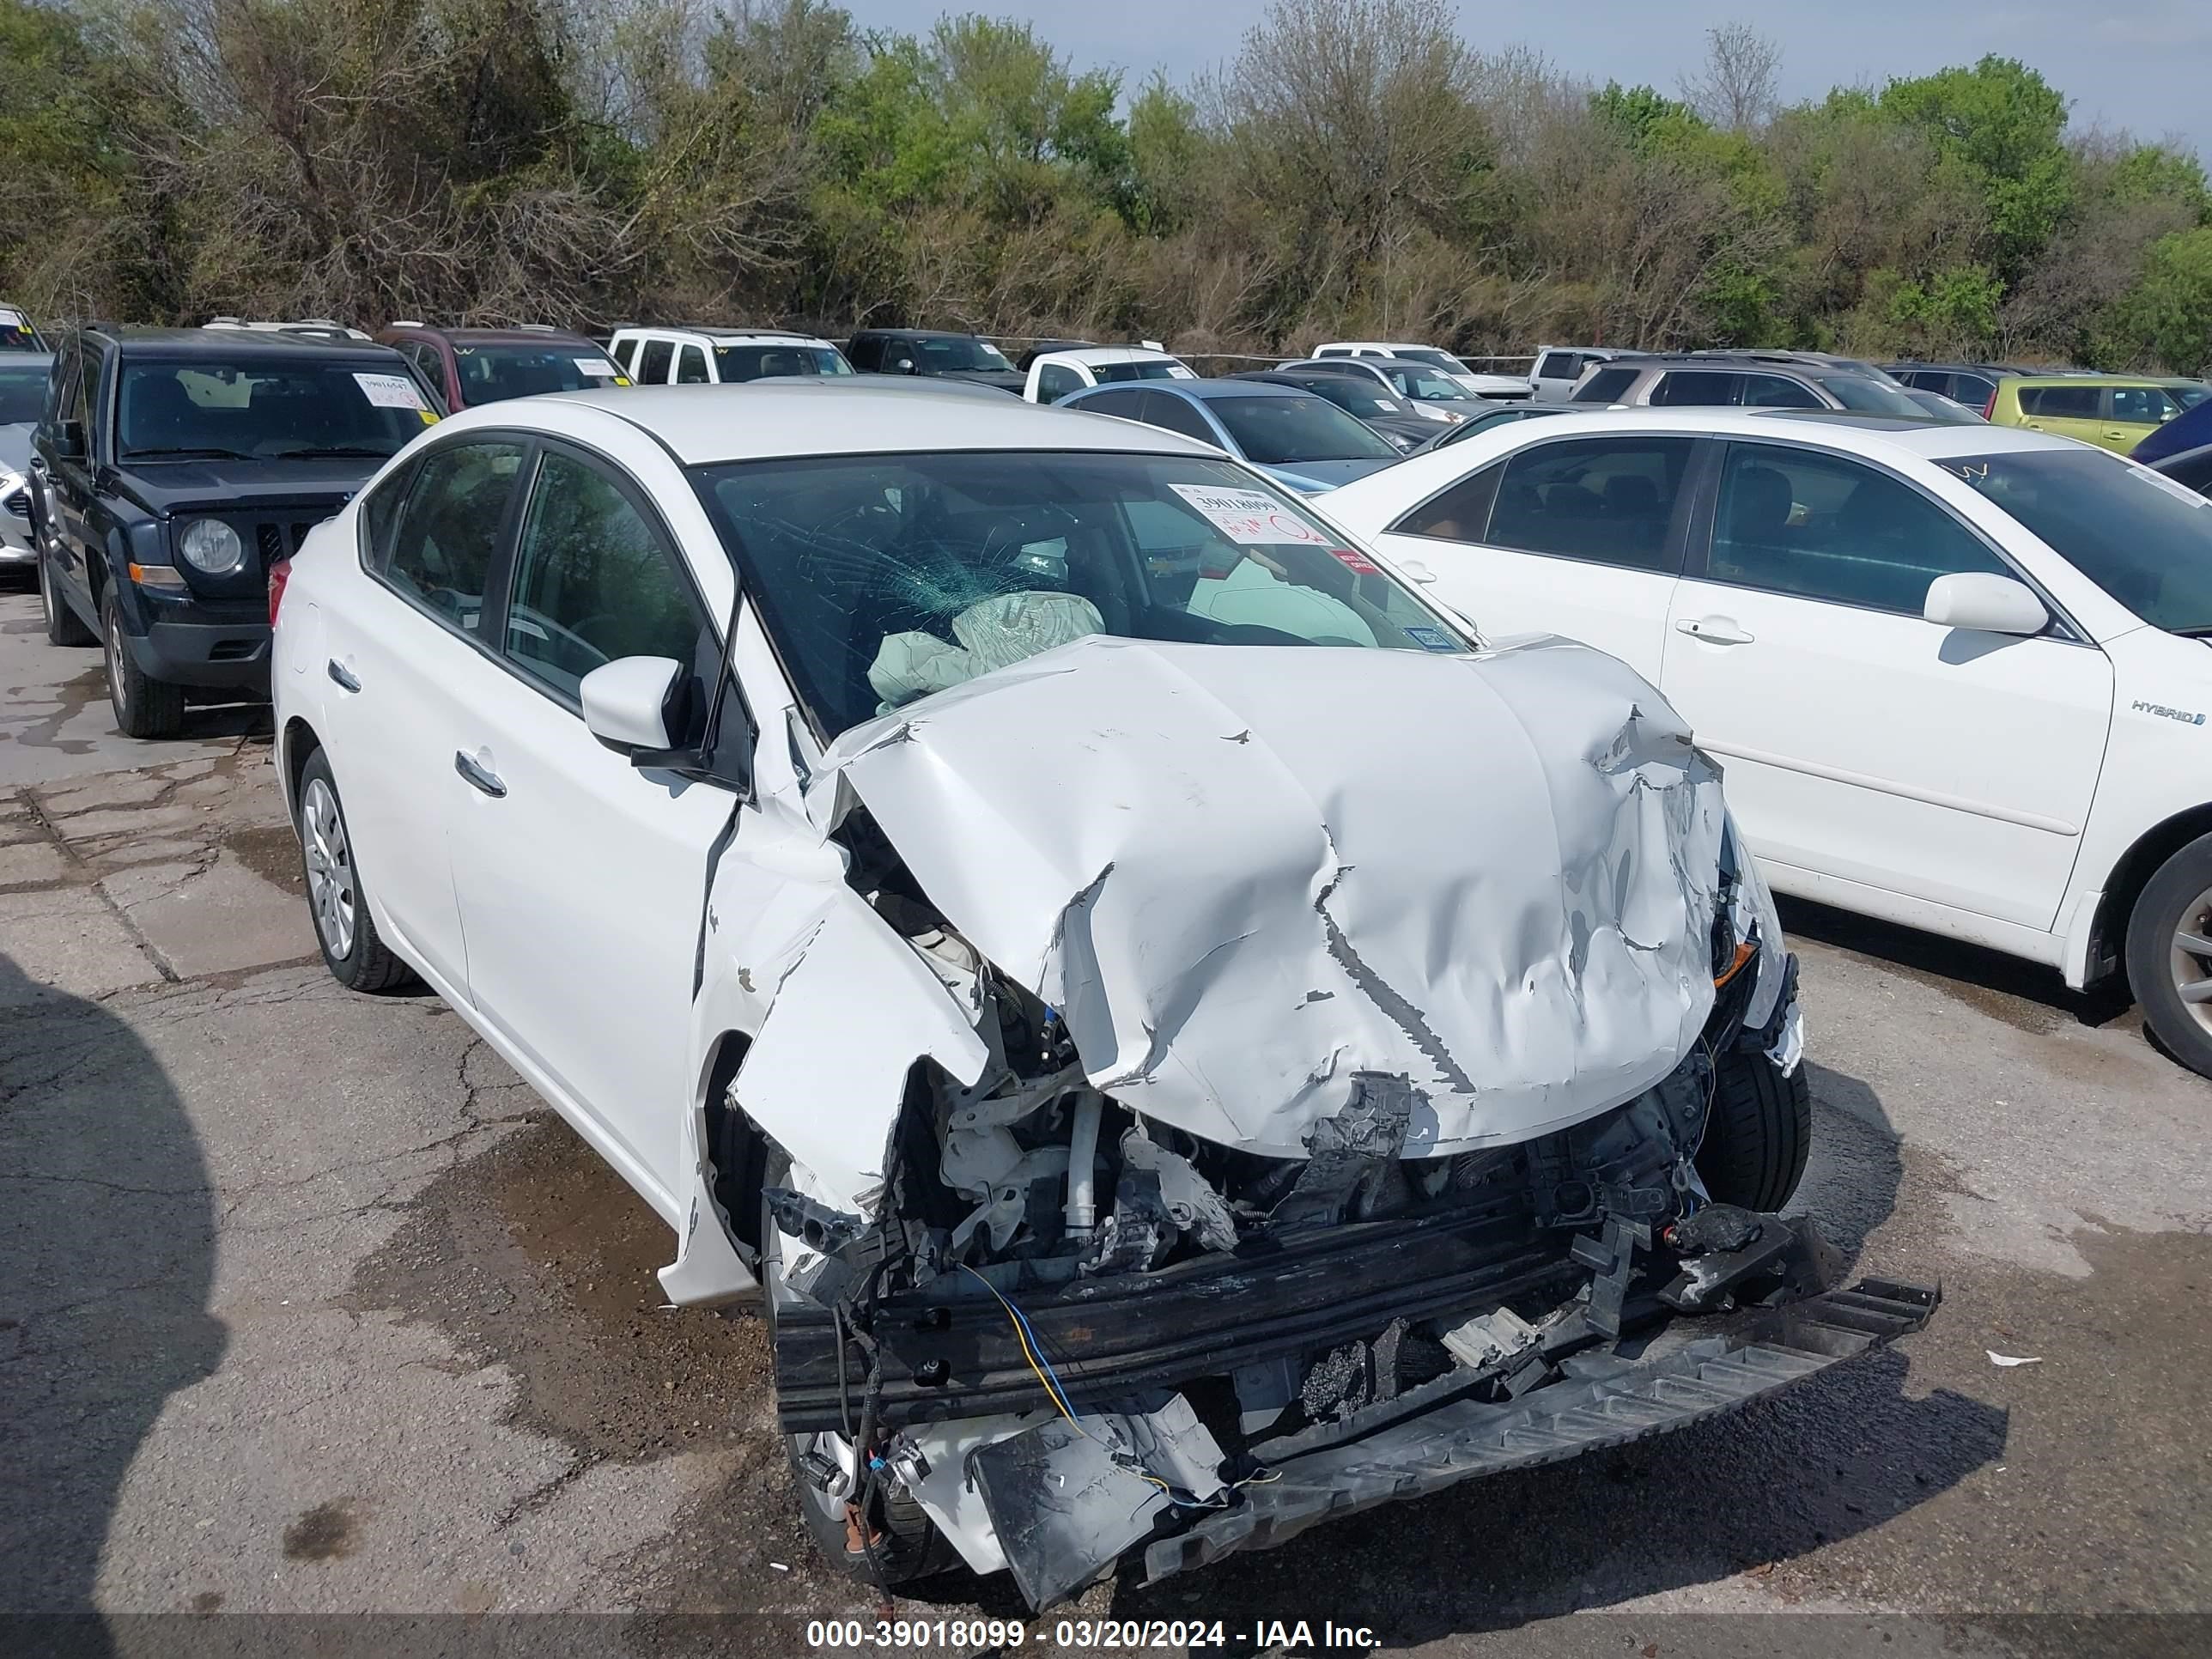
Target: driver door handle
342, 676
1714, 630
479, 777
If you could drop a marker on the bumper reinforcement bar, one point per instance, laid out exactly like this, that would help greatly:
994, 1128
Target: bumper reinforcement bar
1601, 1401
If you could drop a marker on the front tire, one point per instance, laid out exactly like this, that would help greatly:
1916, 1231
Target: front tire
145, 707
1758, 1133
907, 1544
2169, 955
62, 627
357, 958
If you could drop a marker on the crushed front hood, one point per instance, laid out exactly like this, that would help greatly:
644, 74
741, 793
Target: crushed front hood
1243, 875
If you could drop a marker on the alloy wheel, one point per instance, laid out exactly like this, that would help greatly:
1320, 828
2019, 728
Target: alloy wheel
2189, 958
329, 868
115, 687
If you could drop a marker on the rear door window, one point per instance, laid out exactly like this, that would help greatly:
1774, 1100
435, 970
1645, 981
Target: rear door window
1696, 388
1164, 409
1558, 366
1607, 500
448, 533
691, 366
1608, 385
1774, 392
1820, 526
1123, 403
1974, 391
653, 362
1460, 513
2057, 403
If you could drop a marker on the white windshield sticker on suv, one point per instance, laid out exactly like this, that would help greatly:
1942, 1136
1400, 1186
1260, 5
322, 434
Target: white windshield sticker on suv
390, 390
1250, 518
1177, 372
598, 368
11, 318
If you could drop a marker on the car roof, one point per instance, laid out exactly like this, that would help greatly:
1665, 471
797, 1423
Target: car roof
766, 419
2080, 377
917, 333
727, 335
1206, 390
1879, 440
501, 336
1094, 355
230, 345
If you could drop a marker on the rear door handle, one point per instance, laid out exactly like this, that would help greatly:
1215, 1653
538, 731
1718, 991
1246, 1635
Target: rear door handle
342, 675
479, 777
1714, 630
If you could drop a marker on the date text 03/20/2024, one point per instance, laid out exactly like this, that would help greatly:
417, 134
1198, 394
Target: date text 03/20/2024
1173, 1634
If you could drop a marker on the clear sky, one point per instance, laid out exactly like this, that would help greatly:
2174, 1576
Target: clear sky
2142, 64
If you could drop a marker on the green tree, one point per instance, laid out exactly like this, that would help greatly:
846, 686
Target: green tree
1998, 125
2165, 319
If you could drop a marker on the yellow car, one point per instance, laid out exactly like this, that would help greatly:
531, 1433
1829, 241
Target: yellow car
2113, 411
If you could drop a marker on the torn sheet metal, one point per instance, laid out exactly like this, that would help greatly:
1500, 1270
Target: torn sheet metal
1064, 1499
849, 1019
1244, 876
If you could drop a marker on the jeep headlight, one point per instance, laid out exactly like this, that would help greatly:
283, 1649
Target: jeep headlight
211, 545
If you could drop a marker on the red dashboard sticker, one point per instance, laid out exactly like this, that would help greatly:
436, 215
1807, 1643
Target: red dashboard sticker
1359, 563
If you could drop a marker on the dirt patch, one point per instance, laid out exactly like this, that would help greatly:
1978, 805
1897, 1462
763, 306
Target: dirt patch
271, 851
536, 1256
324, 1533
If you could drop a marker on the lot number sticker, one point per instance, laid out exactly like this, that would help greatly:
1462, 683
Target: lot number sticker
390, 390
1250, 518
598, 368
11, 318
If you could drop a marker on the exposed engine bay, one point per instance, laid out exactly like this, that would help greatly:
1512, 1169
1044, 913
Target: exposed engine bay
1261, 1115
1157, 1323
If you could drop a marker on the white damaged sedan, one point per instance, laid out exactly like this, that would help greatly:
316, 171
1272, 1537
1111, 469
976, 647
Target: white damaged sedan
1180, 1040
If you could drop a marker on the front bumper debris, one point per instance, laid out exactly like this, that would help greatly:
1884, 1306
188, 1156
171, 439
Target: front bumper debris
1601, 1401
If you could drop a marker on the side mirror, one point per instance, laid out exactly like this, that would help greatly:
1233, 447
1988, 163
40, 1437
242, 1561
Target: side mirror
68, 440
1984, 603
634, 703
903, 365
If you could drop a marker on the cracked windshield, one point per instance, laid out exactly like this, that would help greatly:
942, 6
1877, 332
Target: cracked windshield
886, 579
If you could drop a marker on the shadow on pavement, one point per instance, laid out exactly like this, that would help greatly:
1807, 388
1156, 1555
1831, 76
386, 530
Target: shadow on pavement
1984, 979
107, 1229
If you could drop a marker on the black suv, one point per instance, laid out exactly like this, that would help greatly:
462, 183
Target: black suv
933, 351
171, 468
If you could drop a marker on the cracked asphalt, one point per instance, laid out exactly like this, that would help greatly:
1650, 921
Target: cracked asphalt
311, 1308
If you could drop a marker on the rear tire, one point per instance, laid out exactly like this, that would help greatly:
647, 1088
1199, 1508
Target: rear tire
62, 627
145, 707
908, 1545
1758, 1133
2168, 932
357, 958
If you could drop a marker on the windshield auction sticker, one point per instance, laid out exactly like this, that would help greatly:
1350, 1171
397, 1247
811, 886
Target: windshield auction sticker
390, 390
598, 368
1250, 518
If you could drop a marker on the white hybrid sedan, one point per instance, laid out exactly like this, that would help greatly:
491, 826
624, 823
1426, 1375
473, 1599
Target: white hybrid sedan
1189, 1044
1958, 675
